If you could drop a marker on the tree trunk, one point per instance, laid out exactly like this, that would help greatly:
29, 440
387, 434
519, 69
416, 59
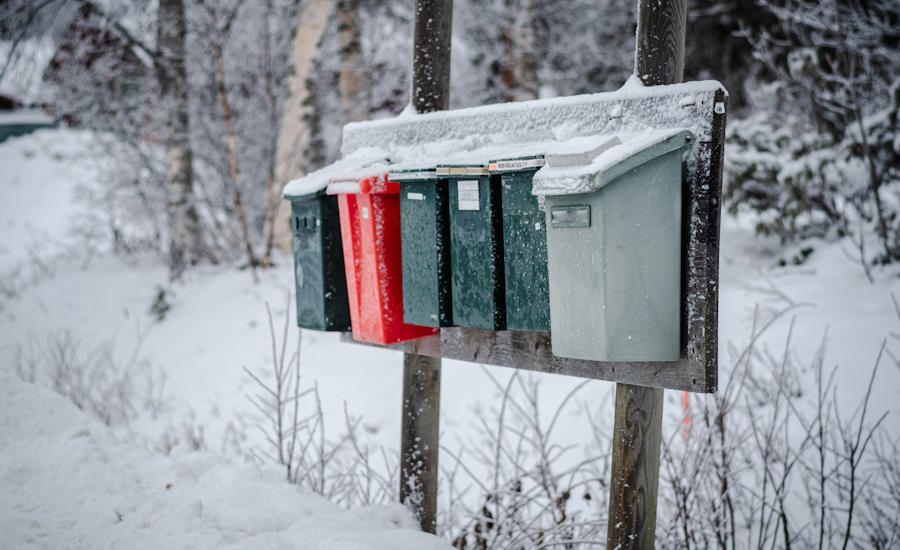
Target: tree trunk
351, 80
272, 198
233, 165
296, 133
186, 245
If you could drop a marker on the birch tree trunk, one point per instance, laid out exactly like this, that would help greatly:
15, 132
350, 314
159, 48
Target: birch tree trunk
185, 239
296, 132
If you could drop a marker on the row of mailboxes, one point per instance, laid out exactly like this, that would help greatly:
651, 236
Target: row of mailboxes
474, 247
502, 247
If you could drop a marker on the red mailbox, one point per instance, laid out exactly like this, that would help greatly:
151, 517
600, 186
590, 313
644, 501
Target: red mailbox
370, 233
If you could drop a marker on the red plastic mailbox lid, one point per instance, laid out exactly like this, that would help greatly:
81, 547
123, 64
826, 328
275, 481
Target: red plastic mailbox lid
370, 234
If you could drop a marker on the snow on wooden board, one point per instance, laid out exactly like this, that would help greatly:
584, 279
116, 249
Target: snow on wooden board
631, 108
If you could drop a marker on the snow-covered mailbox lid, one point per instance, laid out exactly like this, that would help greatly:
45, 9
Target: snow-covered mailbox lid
613, 216
320, 283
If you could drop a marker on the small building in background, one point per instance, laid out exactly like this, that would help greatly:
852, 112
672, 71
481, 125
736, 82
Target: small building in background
17, 119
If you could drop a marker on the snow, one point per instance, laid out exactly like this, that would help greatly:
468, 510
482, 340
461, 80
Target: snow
362, 164
64, 475
511, 130
631, 108
36, 210
69, 482
563, 176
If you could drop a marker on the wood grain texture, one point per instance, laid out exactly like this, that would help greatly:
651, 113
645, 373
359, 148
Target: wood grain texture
660, 41
635, 467
533, 351
419, 437
421, 373
431, 55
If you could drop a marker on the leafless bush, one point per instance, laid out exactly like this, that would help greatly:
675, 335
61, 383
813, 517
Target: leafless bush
343, 469
96, 380
773, 460
770, 462
190, 433
536, 493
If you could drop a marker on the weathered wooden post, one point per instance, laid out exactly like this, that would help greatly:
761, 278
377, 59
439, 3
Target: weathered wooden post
421, 374
659, 59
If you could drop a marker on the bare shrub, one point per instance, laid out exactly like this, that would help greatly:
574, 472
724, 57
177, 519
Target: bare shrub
771, 462
291, 420
536, 493
189, 433
96, 380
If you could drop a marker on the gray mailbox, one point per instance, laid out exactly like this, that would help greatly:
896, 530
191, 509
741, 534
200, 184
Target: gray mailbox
614, 248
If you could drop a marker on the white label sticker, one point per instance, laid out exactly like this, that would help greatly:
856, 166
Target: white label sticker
365, 213
415, 196
468, 194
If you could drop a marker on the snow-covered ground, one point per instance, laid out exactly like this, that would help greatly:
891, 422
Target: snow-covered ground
71, 481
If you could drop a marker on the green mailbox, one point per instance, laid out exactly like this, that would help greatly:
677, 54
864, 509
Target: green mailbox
524, 245
614, 248
476, 247
425, 244
321, 284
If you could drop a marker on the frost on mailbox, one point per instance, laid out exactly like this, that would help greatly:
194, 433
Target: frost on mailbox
614, 247
320, 286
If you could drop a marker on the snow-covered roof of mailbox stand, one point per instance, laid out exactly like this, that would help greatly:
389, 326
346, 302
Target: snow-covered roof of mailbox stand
573, 174
575, 125
420, 140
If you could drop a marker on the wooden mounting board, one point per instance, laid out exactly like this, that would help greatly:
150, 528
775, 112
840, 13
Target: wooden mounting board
701, 104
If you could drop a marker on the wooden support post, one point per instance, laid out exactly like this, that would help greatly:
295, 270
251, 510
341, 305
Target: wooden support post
419, 443
421, 374
637, 433
635, 467
431, 55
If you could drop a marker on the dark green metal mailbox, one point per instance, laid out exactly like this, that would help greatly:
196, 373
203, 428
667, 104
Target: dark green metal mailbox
425, 240
524, 245
476, 247
321, 284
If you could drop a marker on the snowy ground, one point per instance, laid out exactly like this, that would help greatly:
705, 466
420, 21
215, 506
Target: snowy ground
70, 475
69, 482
